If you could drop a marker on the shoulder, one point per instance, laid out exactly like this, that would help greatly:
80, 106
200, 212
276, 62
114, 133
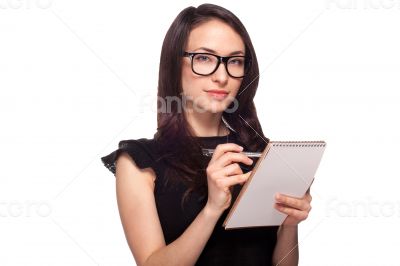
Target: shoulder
142, 151
144, 142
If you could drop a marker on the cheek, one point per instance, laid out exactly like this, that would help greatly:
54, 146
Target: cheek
191, 84
235, 86
186, 79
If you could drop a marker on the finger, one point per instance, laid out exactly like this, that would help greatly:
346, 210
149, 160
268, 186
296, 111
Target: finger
301, 204
232, 169
249, 173
296, 214
308, 196
225, 183
223, 148
231, 157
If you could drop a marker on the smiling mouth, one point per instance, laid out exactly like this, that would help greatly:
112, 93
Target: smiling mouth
218, 91
219, 95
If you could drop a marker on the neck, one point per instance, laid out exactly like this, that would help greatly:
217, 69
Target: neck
206, 124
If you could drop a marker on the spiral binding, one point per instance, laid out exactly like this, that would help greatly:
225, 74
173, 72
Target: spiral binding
298, 143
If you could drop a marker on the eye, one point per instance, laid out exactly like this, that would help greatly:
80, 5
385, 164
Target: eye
236, 61
202, 58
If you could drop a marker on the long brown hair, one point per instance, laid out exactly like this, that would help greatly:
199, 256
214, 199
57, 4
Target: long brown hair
180, 151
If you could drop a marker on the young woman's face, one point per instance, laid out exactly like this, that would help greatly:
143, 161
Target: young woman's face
218, 38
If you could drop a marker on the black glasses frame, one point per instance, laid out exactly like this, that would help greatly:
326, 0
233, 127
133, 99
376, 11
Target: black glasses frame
223, 59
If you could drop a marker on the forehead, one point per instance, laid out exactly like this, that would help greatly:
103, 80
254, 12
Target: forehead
216, 35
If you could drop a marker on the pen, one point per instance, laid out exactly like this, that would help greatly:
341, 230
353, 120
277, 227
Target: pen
209, 152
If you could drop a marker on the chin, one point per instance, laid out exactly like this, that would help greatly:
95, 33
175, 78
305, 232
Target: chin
215, 107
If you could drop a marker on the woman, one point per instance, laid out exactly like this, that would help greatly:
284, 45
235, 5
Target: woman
172, 199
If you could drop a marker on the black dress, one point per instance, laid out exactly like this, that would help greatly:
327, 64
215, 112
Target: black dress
250, 246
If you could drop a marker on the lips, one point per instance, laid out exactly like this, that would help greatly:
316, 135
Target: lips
218, 91
218, 94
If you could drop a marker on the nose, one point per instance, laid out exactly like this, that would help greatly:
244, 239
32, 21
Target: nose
220, 75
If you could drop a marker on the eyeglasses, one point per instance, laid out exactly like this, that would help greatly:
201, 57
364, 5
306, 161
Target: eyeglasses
205, 64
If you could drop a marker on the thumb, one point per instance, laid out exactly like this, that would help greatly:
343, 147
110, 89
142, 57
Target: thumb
247, 177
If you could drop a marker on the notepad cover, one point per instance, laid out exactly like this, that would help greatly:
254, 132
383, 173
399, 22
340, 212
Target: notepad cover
287, 167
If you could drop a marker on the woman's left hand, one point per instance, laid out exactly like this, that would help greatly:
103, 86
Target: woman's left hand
297, 209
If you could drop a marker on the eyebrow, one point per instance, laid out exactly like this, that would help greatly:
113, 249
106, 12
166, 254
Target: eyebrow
212, 51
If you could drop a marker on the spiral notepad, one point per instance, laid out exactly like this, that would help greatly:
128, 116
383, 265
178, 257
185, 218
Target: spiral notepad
287, 167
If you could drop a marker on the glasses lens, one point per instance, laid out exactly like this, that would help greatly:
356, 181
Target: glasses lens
204, 64
236, 66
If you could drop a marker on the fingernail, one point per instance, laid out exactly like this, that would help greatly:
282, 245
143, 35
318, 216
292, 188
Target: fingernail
240, 148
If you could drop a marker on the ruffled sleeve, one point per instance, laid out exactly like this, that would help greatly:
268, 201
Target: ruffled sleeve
142, 151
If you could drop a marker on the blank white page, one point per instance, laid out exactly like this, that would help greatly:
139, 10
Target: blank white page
287, 167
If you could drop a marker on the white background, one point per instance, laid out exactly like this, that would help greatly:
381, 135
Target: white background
78, 76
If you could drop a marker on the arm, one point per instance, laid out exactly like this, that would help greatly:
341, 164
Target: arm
136, 203
286, 250
186, 249
139, 217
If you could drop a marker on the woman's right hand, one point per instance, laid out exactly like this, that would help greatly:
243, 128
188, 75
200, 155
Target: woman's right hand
223, 171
